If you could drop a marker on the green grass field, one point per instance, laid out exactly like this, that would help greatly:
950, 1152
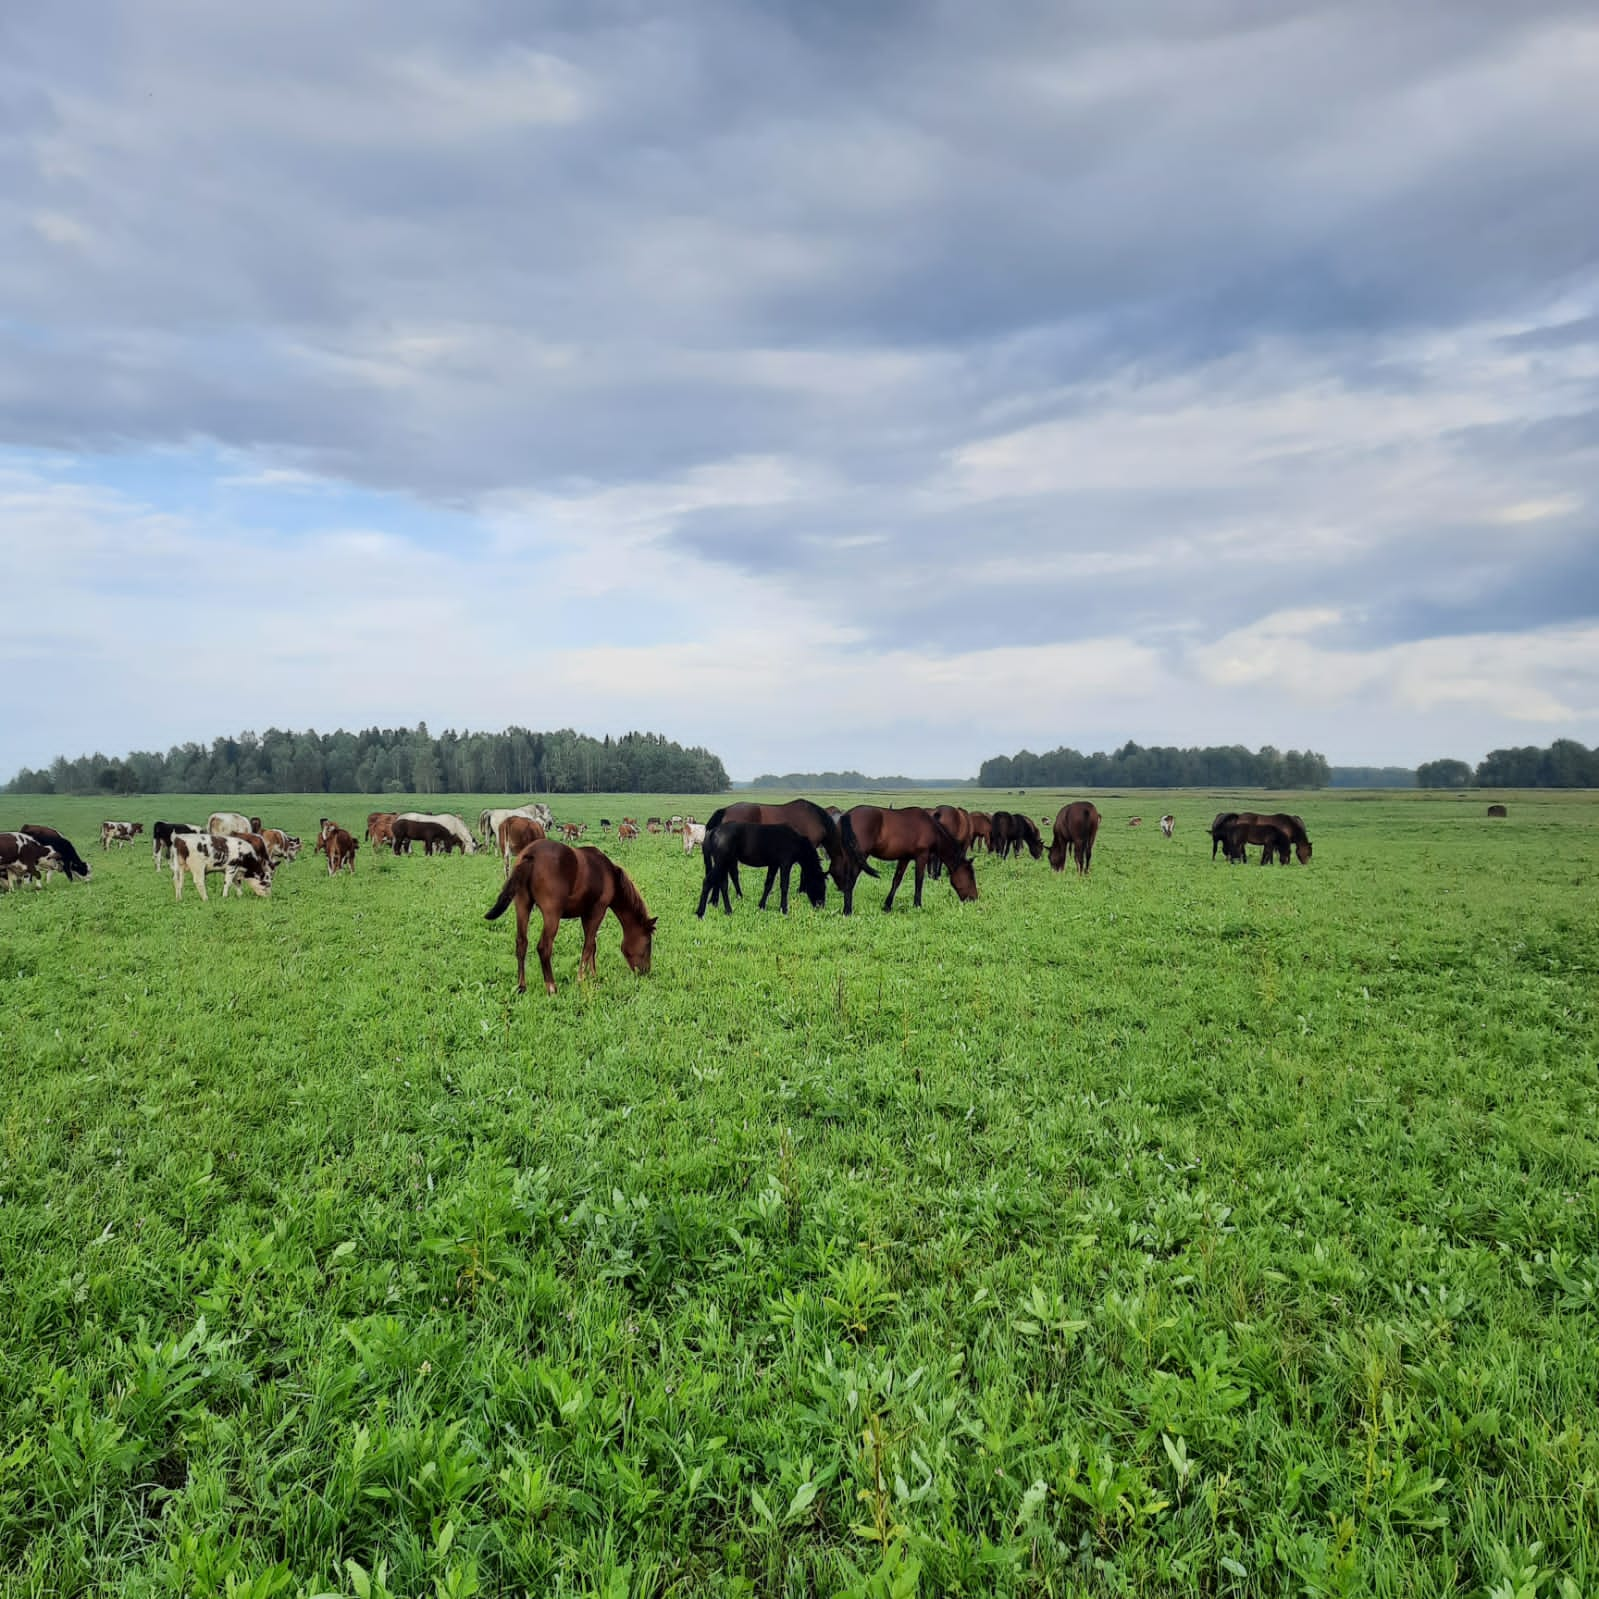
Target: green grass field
1184, 1230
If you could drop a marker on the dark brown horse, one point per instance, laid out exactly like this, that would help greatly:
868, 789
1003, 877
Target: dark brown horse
958, 824
565, 883
809, 820
982, 828
907, 836
1075, 827
1277, 834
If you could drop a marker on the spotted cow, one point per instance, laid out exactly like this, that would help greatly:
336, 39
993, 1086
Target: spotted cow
119, 833
239, 860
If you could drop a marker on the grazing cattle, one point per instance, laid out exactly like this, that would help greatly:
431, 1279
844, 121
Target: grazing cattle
693, 837
1135, 821
452, 824
1277, 834
1497, 810
627, 830
404, 831
72, 862
776, 847
237, 858
674, 824
807, 819
119, 833
907, 837
27, 859
161, 836
605, 823
231, 823
653, 825
566, 883
1168, 825
573, 831
280, 846
1076, 826
340, 848
516, 833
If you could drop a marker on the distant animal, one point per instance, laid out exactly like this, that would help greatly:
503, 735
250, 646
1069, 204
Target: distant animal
451, 823
565, 883
27, 859
605, 822
1076, 826
810, 821
1167, 824
161, 840
572, 831
653, 825
674, 824
1135, 821
74, 864
433, 836
281, 846
380, 829
516, 833
628, 830
1277, 834
777, 847
1010, 833
340, 848
1497, 810
693, 837
911, 836
234, 823
119, 833
238, 860
982, 825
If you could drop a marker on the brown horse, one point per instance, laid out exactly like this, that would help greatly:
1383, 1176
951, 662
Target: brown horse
1075, 827
516, 833
566, 883
982, 828
1277, 833
810, 821
907, 836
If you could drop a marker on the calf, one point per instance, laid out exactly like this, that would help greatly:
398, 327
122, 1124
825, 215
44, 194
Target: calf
281, 846
693, 835
161, 836
627, 830
340, 849
1135, 821
240, 860
1167, 823
25, 859
73, 863
118, 833
234, 822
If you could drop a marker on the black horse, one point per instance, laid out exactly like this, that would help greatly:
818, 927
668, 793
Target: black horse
777, 847
1009, 832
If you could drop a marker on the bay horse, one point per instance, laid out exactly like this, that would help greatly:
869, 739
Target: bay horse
958, 824
907, 836
1075, 827
567, 883
777, 847
982, 828
515, 834
809, 820
1277, 834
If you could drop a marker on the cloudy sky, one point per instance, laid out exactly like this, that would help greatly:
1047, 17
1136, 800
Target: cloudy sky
885, 385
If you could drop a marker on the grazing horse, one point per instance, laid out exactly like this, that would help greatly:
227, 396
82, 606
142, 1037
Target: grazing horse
566, 883
1277, 834
774, 845
1075, 828
807, 819
982, 828
515, 834
907, 836
1167, 824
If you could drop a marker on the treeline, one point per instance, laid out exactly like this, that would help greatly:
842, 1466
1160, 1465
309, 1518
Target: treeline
844, 781
1565, 764
1132, 766
392, 761
1373, 777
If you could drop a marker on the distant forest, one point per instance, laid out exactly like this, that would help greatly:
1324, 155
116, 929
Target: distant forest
1373, 777
844, 782
1132, 766
392, 761
1565, 764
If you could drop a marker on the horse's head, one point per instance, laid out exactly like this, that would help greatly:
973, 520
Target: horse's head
636, 944
1302, 849
963, 879
813, 880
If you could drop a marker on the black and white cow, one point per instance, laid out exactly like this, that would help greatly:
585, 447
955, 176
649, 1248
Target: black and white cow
237, 859
118, 833
24, 859
161, 836
75, 864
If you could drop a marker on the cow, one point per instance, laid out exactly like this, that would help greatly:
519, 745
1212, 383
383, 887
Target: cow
516, 833
222, 824
572, 831
1135, 821
628, 830
451, 824
25, 859
238, 859
281, 846
118, 833
161, 836
340, 850
435, 839
1167, 825
674, 824
693, 837
73, 863
653, 825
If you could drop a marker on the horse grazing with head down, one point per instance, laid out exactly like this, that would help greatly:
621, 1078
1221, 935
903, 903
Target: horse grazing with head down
1075, 828
911, 836
568, 883
1277, 834
776, 847
808, 819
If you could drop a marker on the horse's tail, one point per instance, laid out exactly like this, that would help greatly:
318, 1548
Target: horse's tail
503, 903
717, 818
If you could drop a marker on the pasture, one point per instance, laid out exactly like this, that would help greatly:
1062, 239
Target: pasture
1184, 1229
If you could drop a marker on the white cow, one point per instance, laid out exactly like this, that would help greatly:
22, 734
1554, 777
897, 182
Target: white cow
225, 823
693, 837
236, 858
450, 823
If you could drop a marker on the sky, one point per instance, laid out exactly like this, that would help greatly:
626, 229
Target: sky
834, 385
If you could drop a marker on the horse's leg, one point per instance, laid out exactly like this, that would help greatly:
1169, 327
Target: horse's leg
921, 868
524, 907
552, 924
708, 887
893, 889
766, 893
591, 932
788, 866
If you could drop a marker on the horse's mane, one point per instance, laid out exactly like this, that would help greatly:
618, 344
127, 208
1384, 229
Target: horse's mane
949, 847
829, 823
626, 894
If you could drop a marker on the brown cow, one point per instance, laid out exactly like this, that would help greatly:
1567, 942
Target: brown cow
340, 850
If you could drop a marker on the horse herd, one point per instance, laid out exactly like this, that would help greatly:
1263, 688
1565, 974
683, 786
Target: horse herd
581, 883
